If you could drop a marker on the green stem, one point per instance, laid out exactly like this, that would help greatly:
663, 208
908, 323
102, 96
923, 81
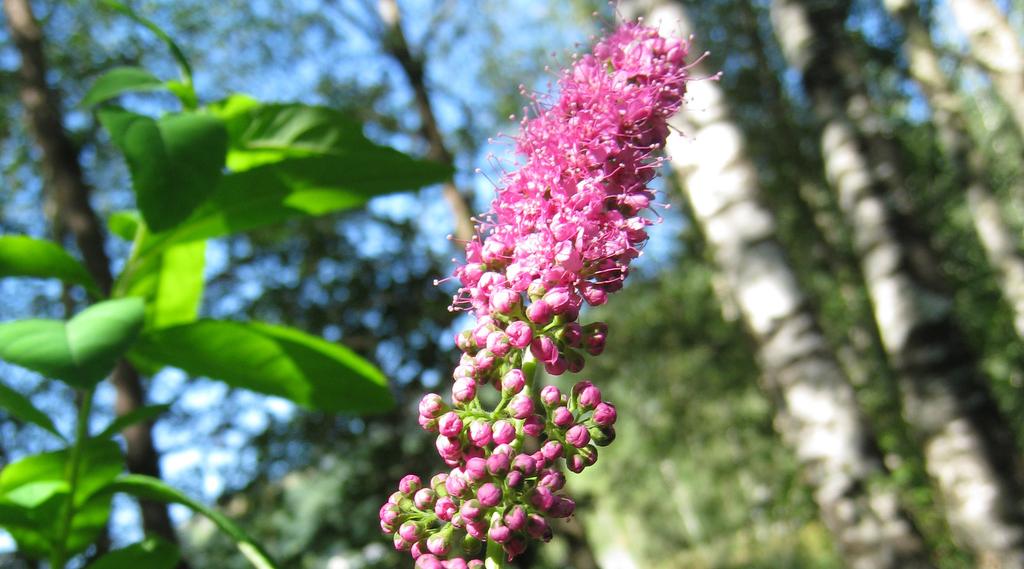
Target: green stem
495, 558
59, 555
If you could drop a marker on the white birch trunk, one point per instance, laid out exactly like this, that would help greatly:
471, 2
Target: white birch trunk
819, 417
995, 47
998, 241
967, 449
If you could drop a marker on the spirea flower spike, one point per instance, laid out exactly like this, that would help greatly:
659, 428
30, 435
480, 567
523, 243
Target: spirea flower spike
562, 231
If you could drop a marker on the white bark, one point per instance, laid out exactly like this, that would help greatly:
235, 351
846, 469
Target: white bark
967, 449
819, 417
996, 47
949, 116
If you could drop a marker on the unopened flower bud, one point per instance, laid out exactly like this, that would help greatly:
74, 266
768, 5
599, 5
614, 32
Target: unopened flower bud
464, 390
521, 406
515, 518
551, 450
424, 498
431, 405
448, 448
515, 546
400, 543
605, 414
477, 529
476, 469
562, 417
537, 527
410, 531
536, 290
503, 432
409, 484
558, 299
540, 312
498, 464
512, 382
577, 436
456, 484
499, 533
542, 498
440, 543
504, 301
489, 495
470, 510
484, 360
533, 426
480, 432
552, 479
519, 334
445, 508
428, 561
559, 366
471, 546
572, 334
575, 361
498, 343
603, 436
450, 424
550, 396
562, 508
514, 479
589, 397
544, 349
465, 342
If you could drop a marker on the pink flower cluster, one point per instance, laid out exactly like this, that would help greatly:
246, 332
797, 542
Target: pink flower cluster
562, 231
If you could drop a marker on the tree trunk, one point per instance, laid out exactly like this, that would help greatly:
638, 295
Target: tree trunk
995, 47
64, 175
949, 116
967, 448
819, 416
397, 46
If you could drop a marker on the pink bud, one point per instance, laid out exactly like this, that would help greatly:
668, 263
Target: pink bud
503, 432
484, 360
562, 417
428, 561
595, 296
537, 527
400, 543
524, 463
519, 334
465, 342
513, 382
499, 533
589, 397
470, 510
515, 518
476, 469
542, 498
480, 333
410, 531
514, 546
464, 390
445, 508
498, 343
605, 414
533, 426
477, 529
450, 424
551, 479
440, 543
558, 299
572, 334
456, 484
475, 564
551, 450
408, 485
577, 436
540, 312
457, 563
498, 464
550, 395
521, 406
504, 301
437, 482
562, 508
575, 361
544, 349
480, 432
427, 423
448, 448
557, 367
575, 463
424, 498
431, 405
514, 479
489, 495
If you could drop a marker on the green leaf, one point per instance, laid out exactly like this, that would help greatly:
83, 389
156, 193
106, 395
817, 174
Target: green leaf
139, 415
34, 491
171, 282
273, 360
175, 162
296, 187
153, 489
124, 224
121, 80
20, 407
22, 256
153, 553
83, 350
179, 56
